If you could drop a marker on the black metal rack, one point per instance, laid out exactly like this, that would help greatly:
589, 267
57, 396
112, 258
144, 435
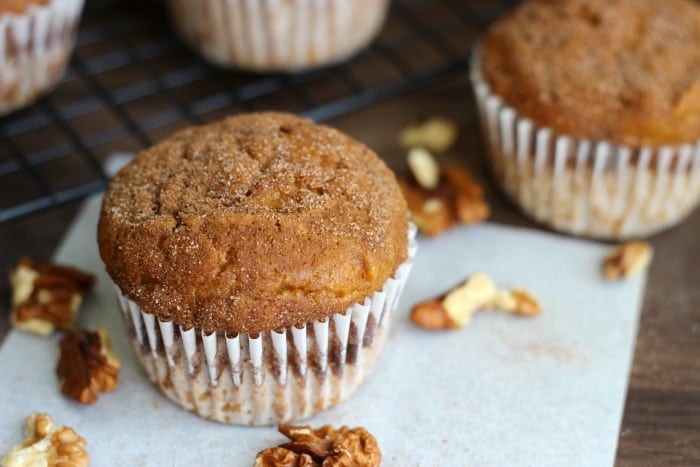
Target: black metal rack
131, 81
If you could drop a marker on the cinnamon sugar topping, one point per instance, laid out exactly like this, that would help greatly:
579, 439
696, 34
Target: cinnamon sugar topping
627, 71
255, 222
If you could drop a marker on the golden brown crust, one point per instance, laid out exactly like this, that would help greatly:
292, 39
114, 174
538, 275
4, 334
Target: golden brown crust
627, 71
19, 6
253, 223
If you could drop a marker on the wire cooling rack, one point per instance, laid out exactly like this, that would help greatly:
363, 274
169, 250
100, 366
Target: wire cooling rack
131, 82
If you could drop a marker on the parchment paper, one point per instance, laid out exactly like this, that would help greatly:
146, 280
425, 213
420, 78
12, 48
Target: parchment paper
544, 391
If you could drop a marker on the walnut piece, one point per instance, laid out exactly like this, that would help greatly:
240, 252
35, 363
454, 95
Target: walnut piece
430, 214
436, 134
455, 309
87, 365
47, 296
469, 201
325, 446
455, 197
431, 314
627, 260
49, 445
423, 167
518, 301
281, 457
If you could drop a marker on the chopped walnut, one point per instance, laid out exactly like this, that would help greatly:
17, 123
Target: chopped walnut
47, 296
87, 365
431, 314
49, 445
469, 196
432, 215
281, 457
423, 167
518, 301
627, 260
455, 309
325, 446
436, 134
438, 198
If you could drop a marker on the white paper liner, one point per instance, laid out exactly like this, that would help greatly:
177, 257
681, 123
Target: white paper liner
581, 186
278, 35
271, 377
34, 49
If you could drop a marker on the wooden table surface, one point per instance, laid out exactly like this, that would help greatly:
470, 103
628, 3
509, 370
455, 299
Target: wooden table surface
661, 424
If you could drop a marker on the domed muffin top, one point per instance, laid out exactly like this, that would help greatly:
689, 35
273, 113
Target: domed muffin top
627, 71
256, 222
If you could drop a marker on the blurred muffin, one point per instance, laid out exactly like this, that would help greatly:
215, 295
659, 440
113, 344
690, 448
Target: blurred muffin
591, 112
38, 37
278, 36
257, 262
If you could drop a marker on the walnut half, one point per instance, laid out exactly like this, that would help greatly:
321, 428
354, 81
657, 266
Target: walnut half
325, 446
47, 296
49, 445
87, 365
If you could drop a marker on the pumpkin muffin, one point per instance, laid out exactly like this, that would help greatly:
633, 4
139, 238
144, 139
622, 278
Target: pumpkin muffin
38, 39
591, 112
278, 36
257, 261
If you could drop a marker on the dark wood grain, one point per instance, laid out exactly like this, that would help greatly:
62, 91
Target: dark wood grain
661, 424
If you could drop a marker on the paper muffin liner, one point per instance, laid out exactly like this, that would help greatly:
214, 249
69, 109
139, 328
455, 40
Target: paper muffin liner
278, 35
272, 376
585, 187
34, 48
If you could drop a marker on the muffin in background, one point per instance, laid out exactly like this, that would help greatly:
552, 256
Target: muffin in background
286, 35
38, 39
257, 262
591, 112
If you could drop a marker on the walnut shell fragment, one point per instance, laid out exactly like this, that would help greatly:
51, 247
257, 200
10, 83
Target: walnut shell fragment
325, 446
47, 296
87, 365
49, 445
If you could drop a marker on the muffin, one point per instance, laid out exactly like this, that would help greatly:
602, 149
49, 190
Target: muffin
38, 37
278, 36
257, 261
591, 112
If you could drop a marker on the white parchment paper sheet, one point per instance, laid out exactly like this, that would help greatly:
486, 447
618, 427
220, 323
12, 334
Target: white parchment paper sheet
503, 391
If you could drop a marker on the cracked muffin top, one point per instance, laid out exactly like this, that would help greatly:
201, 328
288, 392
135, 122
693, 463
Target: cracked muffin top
252, 223
627, 71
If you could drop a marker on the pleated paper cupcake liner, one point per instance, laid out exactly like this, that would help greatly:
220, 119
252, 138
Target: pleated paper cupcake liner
276, 35
34, 49
585, 187
272, 376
